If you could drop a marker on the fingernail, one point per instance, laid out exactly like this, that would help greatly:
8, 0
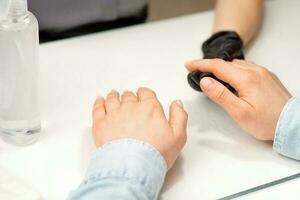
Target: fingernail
98, 100
113, 91
207, 83
179, 103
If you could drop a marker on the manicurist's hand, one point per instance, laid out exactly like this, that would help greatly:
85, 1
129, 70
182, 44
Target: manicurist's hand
140, 116
261, 95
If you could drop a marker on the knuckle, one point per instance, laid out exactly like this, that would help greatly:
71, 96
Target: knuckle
112, 96
146, 93
262, 71
221, 95
251, 77
127, 94
216, 61
144, 89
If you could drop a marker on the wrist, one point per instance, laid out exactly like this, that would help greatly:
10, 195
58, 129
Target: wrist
129, 159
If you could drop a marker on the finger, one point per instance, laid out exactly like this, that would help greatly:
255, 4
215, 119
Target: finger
222, 96
145, 94
238, 65
129, 96
112, 101
223, 70
245, 64
178, 120
99, 109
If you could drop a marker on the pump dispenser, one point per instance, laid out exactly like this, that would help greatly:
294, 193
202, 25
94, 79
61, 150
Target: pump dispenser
17, 8
19, 103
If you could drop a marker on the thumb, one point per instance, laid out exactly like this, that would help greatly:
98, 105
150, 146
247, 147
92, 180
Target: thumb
219, 94
178, 120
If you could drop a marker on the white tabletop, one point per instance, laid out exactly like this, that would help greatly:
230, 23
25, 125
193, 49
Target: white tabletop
218, 160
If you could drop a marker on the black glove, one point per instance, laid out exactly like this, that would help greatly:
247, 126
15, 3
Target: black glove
226, 45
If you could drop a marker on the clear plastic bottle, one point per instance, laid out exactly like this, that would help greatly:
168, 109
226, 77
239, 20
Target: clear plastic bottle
19, 96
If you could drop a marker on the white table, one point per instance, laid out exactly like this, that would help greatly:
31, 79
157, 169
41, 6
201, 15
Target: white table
219, 159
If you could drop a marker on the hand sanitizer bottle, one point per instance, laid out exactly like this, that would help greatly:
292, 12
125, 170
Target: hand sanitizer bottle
19, 105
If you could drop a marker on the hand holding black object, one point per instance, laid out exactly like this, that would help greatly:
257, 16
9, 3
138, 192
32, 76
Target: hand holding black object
226, 45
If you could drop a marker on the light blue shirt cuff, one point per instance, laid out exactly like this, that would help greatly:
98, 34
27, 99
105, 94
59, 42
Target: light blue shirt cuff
131, 160
287, 135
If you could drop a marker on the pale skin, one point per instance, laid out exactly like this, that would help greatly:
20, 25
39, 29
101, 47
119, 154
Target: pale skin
258, 88
261, 94
140, 116
242, 16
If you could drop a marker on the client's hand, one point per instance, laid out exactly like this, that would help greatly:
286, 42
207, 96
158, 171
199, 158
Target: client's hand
261, 94
140, 116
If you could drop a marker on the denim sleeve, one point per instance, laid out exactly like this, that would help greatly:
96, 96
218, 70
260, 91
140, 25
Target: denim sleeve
287, 136
123, 169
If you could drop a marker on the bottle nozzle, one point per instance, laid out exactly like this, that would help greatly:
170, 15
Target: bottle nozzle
17, 8
13, 8
4, 7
